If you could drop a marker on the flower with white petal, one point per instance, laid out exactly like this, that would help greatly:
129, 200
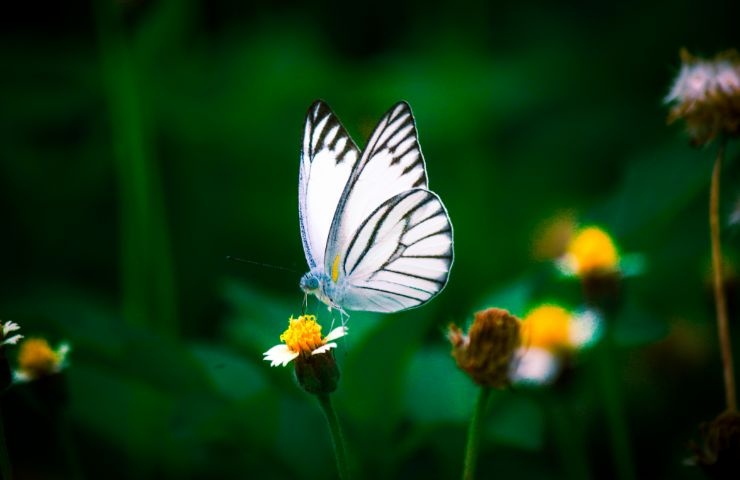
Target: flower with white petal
303, 337
36, 359
551, 335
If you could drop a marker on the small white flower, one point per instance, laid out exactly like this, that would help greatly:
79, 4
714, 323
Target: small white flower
303, 336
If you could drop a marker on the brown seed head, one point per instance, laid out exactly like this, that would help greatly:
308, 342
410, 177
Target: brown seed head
485, 353
706, 94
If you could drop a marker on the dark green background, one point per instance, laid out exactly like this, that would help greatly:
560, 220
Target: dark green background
141, 142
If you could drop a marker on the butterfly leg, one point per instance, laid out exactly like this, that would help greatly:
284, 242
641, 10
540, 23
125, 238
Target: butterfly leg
304, 304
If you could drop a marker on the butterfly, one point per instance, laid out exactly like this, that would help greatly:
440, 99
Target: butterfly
375, 237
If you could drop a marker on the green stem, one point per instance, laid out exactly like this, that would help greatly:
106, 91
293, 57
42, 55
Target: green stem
337, 439
147, 279
569, 441
471, 451
615, 416
5, 467
723, 326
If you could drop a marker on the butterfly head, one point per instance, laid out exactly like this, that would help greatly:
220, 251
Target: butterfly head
320, 284
310, 283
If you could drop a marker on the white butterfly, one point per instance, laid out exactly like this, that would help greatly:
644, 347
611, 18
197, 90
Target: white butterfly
375, 237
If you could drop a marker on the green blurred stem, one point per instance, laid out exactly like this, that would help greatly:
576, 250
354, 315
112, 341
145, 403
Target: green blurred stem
569, 441
614, 410
723, 326
147, 280
474, 433
337, 439
5, 467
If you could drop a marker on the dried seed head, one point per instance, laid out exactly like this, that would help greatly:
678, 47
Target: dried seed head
486, 351
706, 94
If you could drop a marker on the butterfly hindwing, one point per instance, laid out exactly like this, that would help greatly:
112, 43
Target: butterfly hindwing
401, 254
328, 159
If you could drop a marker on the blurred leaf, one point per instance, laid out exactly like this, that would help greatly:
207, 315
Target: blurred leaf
515, 297
436, 390
515, 420
634, 326
232, 376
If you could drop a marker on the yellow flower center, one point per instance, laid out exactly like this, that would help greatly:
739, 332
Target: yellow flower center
36, 358
303, 334
592, 250
547, 327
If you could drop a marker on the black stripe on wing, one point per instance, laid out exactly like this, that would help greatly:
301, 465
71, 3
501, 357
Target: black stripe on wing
396, 137
325, 132
392, 154
403, 248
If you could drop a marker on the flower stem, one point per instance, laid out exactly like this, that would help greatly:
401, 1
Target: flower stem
569, 440
5, 468
148, 293
337, 439
471, 451
614, 410
723, 326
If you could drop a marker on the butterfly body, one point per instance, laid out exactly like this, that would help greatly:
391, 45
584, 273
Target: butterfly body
375, 237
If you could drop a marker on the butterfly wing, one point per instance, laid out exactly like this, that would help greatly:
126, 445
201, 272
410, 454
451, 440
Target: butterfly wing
401, 255
392, 163
328, 158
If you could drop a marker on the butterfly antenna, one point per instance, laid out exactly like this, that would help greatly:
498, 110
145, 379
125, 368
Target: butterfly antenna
252, 262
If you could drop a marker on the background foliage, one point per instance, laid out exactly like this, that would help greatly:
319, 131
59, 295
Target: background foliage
143, 141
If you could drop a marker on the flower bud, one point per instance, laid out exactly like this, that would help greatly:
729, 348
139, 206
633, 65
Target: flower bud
486, 351
317, 374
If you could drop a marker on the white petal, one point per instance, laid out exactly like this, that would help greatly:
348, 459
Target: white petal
324, 348
12, 340
20, 377
277, 348
586, 328
280, 355
534, 366
10, 327
336, 333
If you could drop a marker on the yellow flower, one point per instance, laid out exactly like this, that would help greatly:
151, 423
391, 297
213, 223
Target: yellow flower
591, 251
547, 327
303, 337
486, 351
549, 334
37, 359
553, 328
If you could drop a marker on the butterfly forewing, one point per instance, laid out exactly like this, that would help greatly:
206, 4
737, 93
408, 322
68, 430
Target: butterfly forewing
401, 254
327, 160
392, 163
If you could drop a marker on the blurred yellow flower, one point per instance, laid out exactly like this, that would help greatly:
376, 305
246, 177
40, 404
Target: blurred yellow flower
547, 327
303, 337
37, 359
549, 334
591, 251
